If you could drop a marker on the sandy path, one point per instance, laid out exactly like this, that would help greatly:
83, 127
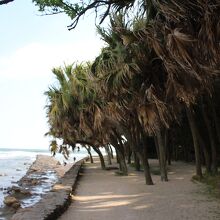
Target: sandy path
101, 195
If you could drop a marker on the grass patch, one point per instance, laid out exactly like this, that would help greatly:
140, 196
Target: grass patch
212, 183
154, 170
119, 173
133, 165
196, 178
111, 168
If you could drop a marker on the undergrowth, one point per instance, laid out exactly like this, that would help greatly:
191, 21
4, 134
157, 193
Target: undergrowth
212, 183
154, 170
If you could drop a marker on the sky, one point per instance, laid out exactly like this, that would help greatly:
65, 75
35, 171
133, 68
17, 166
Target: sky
30, 46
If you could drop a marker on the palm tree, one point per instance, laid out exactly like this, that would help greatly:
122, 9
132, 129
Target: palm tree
76, 111
118, 70
155, 65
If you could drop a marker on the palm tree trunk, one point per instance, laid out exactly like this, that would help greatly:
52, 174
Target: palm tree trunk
168, 148
194, 132
147, 174
129, 157
118, 159
133, 144
205, 152
157, 148
215, 118
120, 152
90, 155
136, 162
108, 154
146, 167
102, 161
122, 163
112, 155
212, 141
129, 153
162, 156
124, 167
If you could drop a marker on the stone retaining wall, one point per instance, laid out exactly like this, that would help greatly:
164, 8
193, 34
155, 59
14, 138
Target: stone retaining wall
55, 202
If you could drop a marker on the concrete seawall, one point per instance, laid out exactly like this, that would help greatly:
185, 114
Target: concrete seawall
55, 202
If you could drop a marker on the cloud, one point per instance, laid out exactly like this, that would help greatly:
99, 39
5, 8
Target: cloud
37, 59
25, 74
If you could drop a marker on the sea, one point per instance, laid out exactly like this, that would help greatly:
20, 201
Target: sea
14, 163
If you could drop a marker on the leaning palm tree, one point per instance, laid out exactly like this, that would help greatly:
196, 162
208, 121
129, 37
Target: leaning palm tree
76, 112
119, 69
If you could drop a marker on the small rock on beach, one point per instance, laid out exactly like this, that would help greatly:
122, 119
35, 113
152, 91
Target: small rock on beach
12, 201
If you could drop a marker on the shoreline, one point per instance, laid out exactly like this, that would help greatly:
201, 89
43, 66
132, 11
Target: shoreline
39, 179
56, 201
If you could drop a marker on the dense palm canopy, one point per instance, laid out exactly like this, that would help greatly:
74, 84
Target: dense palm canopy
159, 67
3, 2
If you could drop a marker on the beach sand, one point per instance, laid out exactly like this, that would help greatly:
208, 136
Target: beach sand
103, 195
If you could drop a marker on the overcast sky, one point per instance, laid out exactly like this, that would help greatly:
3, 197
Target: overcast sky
30, 45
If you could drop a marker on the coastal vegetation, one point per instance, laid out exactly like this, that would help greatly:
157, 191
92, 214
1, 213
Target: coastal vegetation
3, 2
151, 92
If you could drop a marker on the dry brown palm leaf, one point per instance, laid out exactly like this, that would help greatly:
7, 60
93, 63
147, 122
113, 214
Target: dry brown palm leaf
153, 113
154, 37
83, 127
186, 95
128, 39
218, 32
98, 118
148, 118
207, 42
196, 6
171, 10
113, 110
209, 72
158, 47
66, 126
178, 88
178, 44
162, 112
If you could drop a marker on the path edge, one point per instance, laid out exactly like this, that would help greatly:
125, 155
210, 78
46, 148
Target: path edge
54, 203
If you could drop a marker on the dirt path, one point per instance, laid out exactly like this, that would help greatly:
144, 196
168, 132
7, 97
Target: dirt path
101, 195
